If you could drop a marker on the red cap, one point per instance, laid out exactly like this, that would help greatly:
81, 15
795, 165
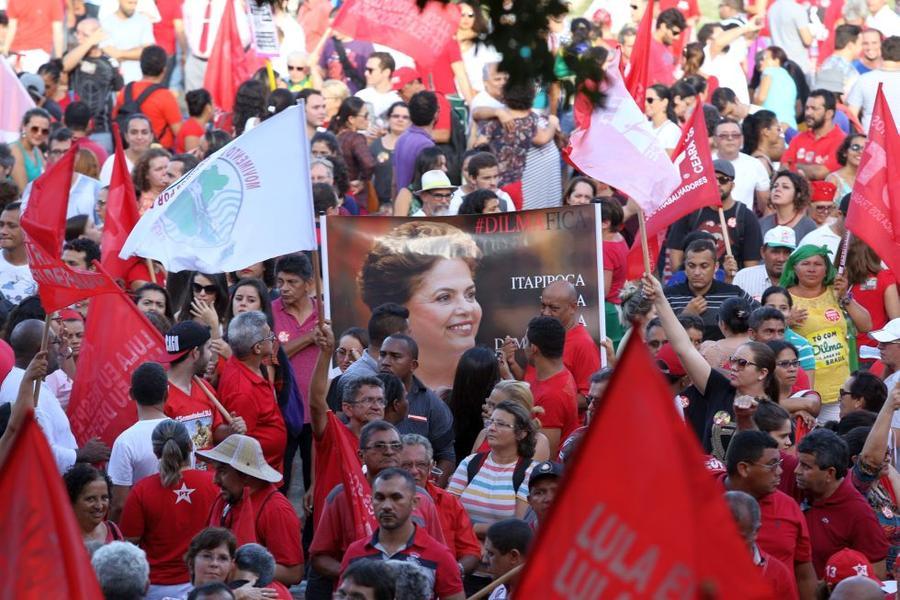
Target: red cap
404, 76
667, 356
821, 191
67, 314
848, 563
602, 16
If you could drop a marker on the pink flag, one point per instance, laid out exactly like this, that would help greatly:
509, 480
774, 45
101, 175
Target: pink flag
618, 147
14, 101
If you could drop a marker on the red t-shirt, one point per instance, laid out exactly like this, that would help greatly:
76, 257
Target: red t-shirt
164, 30
445, 113
160, 107
806, 149
439, 78
556, 395
459, 535
327, 467
870, 294
422, 550
34, 28
662, 63
253, 398
615, 259
191, 127
581, 356
197, 413
140, 272
166, 518
779, 577
87, 143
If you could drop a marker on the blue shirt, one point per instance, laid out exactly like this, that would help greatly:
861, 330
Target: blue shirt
409, 144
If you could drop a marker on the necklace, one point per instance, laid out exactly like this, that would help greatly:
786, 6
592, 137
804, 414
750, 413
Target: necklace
786, 223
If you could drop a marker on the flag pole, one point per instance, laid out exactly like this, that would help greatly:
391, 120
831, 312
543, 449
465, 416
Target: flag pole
271, 73
482, 593
845, 249
725, 235
645, 247
225, 414
317, 274
151, 269
45, 341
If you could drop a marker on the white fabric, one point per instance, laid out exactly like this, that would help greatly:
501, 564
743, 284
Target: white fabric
16, 101
16, 282
864, 90
456, 199
107, 168
145, 7
380, 101
619, 12
210, 220
482, 100
822, 236
293, 39
885, 20
132, 456
125, 34
753, 280
49, 415
668, 134
475, 59
82, 196
61, 385
194, 11
750, 176
892, 382
726, 67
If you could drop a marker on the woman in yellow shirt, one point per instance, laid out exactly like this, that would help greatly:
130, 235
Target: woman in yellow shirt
821, 306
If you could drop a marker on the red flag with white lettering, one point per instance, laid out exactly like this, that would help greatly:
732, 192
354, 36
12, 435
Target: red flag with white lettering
698, 189
874, 213
401, 25
44, 223
121, 215
117, 338
638, 79
657, 527
43, 554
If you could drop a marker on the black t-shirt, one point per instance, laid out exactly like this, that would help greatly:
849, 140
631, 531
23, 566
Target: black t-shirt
702, 407
95, 80
743, 231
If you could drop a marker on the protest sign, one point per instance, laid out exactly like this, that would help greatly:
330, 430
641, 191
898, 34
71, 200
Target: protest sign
487, 286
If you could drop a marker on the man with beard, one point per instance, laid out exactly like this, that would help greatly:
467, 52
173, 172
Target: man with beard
399, 538
778, 243
814, 152
753, 466
128, 32
188, 401
435, 194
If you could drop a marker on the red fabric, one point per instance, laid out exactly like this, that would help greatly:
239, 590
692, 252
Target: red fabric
139, 272
121, 215
337, 463
44, 224
247, 394
99, 151
779, 577
445, 113
34, 23
42, 548
191, 127
166, 518
424, 35
556, 395
698, 189
833, 12
313, 16
197, 413
870, 294
514, 190
229, 66
806, 149
459, 535
638, 78
661, 64
439, 76
615, 259
655, 553
164, 30
117, 338
581, 356
874, 214
160, 107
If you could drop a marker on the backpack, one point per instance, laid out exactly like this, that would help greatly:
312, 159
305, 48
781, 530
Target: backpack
518, 474
132, 106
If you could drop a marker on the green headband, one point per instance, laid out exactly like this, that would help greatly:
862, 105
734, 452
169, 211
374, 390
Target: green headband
789, 276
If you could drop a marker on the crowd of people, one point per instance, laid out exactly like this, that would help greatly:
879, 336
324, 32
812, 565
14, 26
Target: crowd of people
779, 335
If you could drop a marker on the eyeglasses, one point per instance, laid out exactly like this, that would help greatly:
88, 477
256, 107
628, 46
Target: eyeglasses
498, 424
441, 196
209, 289
855, 147
296, 68
740, 363
385, 446
57, 152
729, 136
268, 338
467, 15
788, 364
842, 392
369, 402
771, 466
724, 179
364, 115
419, 466
36, 129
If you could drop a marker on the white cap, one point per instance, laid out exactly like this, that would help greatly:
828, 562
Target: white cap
888, 333
780, 237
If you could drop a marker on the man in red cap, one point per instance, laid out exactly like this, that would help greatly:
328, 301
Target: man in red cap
831, 231
821, 201
847, 563
408, 82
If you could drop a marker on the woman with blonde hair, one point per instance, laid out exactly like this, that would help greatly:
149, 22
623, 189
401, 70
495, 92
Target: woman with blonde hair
520, 393
429, 268
86, 163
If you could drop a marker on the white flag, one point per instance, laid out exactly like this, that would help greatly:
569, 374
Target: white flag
14, 101
250, 201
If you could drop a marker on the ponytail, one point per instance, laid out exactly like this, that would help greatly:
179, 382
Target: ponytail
172, 446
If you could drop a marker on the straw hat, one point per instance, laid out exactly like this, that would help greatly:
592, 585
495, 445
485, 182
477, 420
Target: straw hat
243, 453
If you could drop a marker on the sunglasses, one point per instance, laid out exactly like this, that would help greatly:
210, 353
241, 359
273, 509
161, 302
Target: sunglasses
740, 363
467, 15
823, 208
209, 289
293, 68
724, 180
36, 129
856, 147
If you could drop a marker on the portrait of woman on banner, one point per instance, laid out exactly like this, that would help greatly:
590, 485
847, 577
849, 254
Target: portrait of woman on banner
428, 267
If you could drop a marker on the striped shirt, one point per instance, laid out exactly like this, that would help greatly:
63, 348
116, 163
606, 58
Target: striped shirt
489, 497
680, 295
804, 350
753, 280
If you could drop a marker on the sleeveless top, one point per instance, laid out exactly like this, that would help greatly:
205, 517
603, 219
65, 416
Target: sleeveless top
34, 164
844, 188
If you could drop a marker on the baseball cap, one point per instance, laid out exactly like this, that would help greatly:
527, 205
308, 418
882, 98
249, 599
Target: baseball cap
548, 468
602, 16
888, 333
33, 84
183, 338
724, 167
848, 563
780, 237
668, 362
435, 180
822, 191
831, 80
402, 77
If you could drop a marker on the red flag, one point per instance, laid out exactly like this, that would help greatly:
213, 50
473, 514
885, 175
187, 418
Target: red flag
241, 519
117, 338
401, 25
43, 554
44, 223
612, 540
229, 65
638, 78
121, 215
874, 213
337, 462
698, 189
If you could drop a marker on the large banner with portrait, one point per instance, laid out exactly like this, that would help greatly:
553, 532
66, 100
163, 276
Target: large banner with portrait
466, 280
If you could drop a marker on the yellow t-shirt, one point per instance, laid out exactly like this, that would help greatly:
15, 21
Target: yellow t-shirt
826, 329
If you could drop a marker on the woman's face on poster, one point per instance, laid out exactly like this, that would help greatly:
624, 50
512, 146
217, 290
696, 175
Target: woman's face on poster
444, 314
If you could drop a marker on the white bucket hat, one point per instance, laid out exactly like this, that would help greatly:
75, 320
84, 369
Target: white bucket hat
243, 453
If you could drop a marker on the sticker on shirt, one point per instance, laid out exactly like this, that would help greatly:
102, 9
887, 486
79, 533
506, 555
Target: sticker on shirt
199, 426
832, 315
284, 337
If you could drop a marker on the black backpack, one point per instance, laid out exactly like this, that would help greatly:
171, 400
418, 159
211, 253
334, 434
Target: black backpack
132, 105
518, 474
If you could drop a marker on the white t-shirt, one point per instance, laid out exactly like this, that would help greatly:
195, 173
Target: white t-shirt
106, 169
726, 67
482, 100
16, 282
49, 415
124, 34
864, 90
132, 456
668, 134
457, 198
475, 59
82, 195
885, 20
380, 101
750, 176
